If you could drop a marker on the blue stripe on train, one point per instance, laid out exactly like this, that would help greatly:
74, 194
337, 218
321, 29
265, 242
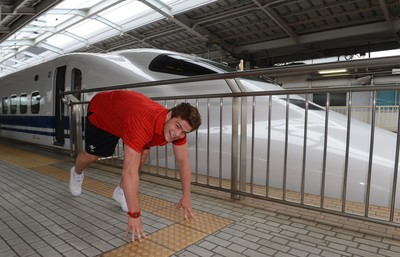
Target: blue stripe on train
40, 122
36, 132
28, 121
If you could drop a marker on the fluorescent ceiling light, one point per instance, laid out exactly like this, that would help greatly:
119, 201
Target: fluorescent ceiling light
332, 71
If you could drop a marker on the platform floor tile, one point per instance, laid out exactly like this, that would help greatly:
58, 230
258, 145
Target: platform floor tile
39, 217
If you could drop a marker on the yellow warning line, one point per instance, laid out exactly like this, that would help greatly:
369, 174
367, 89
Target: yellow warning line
25, 159
163, 242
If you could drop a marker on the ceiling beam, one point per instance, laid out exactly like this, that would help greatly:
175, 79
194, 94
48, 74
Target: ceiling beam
277, 20
388, 19
4, 29
166, 11
362, 30
40, 8
51, 48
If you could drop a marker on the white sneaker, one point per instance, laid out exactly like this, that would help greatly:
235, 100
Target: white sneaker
75, 182
119, 196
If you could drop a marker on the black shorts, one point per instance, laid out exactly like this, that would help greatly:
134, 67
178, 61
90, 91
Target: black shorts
99, 142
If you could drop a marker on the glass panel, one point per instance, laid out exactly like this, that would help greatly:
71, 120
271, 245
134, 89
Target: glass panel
4, 105
178, 65
13, 106
23, 103
76, 81
35, 102
386, 98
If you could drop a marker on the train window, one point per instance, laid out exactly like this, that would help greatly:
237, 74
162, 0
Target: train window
185, 66
178, 65
35, 102
4, 105
13, 104
23, 103
76, 81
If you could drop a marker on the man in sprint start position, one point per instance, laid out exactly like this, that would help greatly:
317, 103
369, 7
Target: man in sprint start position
141, 123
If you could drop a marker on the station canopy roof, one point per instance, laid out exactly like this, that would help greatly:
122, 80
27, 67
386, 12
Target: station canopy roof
263, 32
75, 24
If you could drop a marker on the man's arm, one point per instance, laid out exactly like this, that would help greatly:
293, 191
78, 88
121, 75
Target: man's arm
182, 158
131, 190
145, 154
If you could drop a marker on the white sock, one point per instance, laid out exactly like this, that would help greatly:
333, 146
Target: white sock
78, 175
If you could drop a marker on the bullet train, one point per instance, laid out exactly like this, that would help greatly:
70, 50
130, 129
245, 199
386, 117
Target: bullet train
31, 112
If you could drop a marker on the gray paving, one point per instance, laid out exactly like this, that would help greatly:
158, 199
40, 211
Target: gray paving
38, 217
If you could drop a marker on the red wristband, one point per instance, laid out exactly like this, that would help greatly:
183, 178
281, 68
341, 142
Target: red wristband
134, 215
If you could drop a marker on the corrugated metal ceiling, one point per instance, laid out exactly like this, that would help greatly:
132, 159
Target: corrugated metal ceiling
263, 32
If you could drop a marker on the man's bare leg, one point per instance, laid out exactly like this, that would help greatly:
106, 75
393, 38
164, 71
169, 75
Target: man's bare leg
83, 160
76, 173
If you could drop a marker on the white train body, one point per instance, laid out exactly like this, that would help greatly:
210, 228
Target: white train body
132, 66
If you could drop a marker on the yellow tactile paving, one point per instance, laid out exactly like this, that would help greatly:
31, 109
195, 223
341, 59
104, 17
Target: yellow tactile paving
53, 172
152, 204
94, 185
25, 159
206, 222
162, 243
171, 213
176, 237
147, 248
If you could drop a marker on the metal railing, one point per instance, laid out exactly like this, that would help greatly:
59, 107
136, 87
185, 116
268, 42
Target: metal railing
235, 149
386, 116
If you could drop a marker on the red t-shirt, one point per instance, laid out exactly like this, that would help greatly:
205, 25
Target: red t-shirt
132, 116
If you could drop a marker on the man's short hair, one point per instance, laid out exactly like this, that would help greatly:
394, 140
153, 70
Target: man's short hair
188, 113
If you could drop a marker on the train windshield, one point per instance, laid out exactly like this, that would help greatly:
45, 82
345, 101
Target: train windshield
184, 66
180, 65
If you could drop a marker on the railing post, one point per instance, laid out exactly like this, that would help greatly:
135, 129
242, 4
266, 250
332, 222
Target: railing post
238, 177
75, 127
238, 181
243, 145
234, 148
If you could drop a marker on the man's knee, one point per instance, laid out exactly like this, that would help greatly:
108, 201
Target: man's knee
88, 156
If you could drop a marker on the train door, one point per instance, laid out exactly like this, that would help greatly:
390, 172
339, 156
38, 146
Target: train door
59, 106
